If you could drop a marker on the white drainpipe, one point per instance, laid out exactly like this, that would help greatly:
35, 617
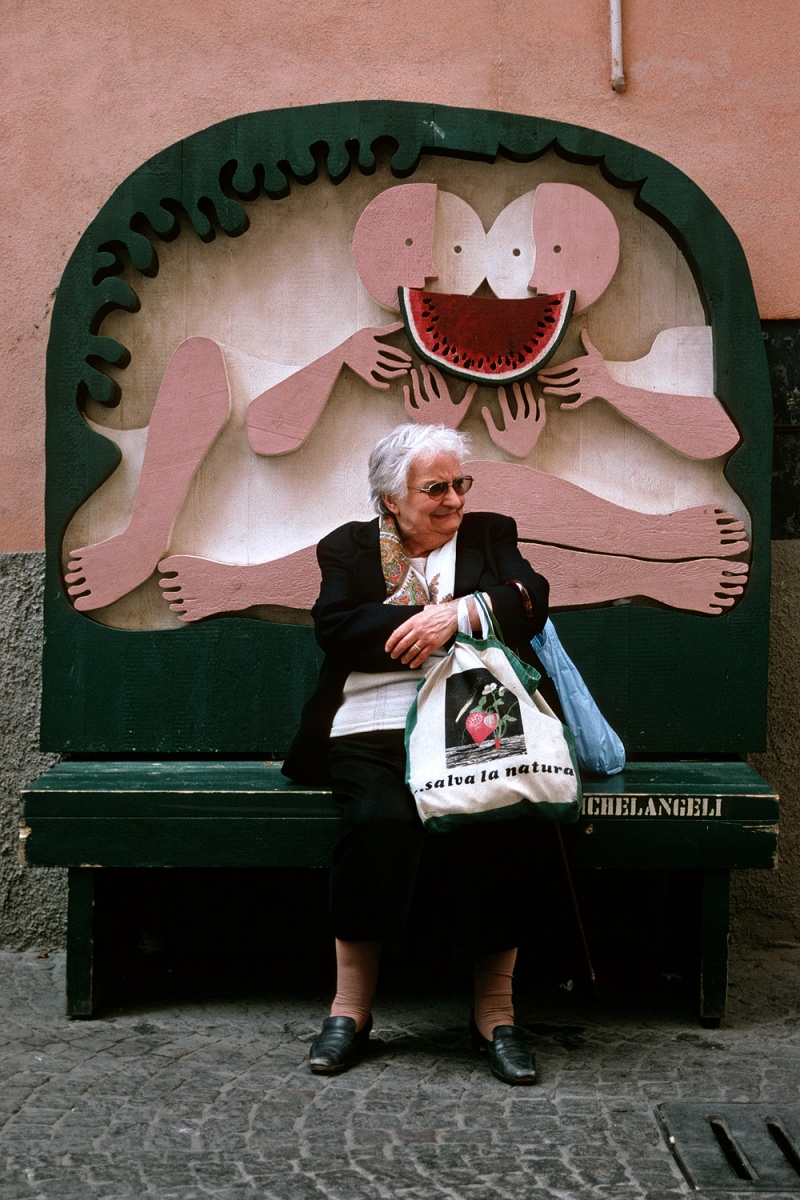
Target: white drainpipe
617, 72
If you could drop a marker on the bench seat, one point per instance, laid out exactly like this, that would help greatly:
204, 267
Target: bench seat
94, 815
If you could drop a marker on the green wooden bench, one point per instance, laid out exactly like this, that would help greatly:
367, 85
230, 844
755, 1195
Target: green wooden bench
170, 735
91, 816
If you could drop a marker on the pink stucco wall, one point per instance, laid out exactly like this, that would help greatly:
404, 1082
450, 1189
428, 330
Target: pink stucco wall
93, 88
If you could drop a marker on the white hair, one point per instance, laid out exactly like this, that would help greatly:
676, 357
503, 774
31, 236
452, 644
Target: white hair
392, 456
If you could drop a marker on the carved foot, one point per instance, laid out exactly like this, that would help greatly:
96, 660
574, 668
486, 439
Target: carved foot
577, 579
705, 531
196, 587
706, 585
100, 574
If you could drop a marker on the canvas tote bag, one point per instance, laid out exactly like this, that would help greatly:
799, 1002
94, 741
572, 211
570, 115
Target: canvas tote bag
482, 744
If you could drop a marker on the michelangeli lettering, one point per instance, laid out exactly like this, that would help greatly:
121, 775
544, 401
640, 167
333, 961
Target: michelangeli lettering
487, 776
652, 806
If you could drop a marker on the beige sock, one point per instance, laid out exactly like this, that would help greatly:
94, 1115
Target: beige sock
356, 980
494, 1005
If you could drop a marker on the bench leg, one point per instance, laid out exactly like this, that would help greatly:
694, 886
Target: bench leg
80, 942
714, 951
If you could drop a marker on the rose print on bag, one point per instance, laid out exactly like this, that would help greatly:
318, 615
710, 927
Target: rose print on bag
482, 719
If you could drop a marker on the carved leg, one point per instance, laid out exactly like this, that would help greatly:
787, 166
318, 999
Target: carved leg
714, 952
192, 407
80, 942
578, 578
548, 509
197, 587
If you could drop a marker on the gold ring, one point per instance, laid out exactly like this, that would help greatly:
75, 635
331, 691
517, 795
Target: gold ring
416, 646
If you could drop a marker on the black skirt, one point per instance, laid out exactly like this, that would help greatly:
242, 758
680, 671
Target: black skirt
464, 892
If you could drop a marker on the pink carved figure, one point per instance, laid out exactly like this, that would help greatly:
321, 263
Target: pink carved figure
521, 429
594, 552
696, 426
558, 239
393, 241
393, 247
195, 588
428, 400
195, 383
575, 237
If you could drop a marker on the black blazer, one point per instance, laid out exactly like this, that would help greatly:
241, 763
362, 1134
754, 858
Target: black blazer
352, 622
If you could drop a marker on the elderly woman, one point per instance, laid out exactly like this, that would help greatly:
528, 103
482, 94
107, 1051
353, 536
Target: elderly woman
388, 606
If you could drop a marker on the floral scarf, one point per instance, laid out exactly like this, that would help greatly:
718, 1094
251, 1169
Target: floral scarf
404, 583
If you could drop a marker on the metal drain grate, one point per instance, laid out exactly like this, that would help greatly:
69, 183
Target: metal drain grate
735, 1147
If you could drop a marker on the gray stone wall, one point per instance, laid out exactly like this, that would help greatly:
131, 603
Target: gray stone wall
32, 902
766, 906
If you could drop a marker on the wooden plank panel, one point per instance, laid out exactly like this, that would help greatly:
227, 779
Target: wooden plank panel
710, 815
221, 774
678, 844
151, 841
95, 788
176, 842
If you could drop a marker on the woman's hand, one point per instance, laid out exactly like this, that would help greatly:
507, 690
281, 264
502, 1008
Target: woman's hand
415, 640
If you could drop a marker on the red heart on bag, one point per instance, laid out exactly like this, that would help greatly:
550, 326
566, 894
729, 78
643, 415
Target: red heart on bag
480, 725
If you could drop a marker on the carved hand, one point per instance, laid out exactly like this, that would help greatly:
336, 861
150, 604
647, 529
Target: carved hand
585, 378
697, 426
520, 431
379, 365
429, 402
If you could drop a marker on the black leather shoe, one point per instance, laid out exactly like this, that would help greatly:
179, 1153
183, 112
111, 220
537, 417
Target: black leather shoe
509, 1057
338, 1046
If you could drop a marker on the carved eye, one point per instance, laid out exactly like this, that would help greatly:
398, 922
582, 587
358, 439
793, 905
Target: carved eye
556, 249
456, 249
409, 241
516, 252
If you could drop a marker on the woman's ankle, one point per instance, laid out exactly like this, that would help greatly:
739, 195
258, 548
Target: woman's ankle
344, 1010
494, 1005
357, 966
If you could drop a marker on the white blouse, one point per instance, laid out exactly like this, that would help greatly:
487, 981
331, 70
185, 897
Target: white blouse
373, 701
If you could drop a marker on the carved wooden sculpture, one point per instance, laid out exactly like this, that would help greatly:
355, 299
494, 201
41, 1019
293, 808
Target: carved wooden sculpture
268, 249
696, 426
559, 240
196, 588
280, 420
243, 237
557, 237
192, 407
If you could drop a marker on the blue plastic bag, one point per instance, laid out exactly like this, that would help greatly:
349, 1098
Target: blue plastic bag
598, 747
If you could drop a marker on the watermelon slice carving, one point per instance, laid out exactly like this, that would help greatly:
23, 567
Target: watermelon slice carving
484, 339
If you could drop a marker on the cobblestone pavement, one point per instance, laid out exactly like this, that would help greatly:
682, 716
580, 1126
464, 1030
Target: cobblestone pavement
211, 1097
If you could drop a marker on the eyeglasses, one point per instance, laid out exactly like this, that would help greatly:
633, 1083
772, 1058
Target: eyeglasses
437, 491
